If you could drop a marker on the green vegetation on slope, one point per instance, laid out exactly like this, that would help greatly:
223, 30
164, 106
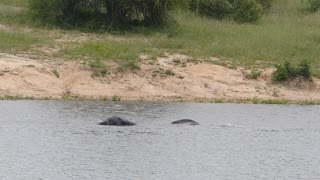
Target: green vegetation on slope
288, 33
243, 11
18, 41
20, 3
286, 71
107, 49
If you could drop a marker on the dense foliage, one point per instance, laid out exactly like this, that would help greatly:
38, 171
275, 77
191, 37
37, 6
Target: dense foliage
109, 13
218, 9
286, 71
314, 5
239, 10
266, 4
104, 12
247, 11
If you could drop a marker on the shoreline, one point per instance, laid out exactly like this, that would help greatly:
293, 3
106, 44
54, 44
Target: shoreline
26, 78
166, 99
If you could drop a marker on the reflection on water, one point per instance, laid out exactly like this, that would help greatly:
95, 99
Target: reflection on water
61, 140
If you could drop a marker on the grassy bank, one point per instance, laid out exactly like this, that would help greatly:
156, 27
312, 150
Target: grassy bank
287, 33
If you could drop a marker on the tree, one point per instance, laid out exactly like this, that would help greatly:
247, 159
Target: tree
104, 12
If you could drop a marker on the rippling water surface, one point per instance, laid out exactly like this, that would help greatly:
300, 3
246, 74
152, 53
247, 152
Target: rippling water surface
61, 140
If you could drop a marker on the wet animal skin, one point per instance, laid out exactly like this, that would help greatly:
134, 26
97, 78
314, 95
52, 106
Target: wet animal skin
117, 121
185, 121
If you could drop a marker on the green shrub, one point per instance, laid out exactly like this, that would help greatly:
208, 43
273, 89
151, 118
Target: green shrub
247, 11
286, 71
282, 72
99, 13
304, 69
314, 5
241, 11
218, 9
266, 4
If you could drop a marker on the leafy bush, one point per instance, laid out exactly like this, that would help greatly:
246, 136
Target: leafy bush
239, 10
103, 12
247, 11
286, 71
266, 4
58, 11
304, 69
218, 9
283, 72
314, 5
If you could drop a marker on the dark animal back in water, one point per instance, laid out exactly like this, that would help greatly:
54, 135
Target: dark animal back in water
117, 121
185, 121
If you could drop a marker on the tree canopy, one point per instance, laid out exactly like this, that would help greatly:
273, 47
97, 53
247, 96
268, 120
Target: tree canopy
104, 12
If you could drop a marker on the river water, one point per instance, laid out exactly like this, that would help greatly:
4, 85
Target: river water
60, 140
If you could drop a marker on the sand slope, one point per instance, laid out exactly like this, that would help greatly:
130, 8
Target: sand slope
26, 77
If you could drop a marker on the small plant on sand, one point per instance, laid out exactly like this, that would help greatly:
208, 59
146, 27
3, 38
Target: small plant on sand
96, 64
67, 95
104, 98
254, 74
116, 98
176, 61
131, 65
217, 101
56, 73
98, 68
168, 72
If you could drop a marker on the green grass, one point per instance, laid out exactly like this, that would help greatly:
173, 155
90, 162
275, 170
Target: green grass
270, 101
16, 98
18, 3
105, 50
10, 10
10, 14
18, 41
116, 98
288, 33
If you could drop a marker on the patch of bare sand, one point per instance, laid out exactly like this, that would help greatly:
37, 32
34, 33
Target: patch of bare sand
3, 27
27, 77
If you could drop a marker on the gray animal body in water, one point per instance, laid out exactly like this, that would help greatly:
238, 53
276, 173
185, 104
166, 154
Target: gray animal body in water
117, 121
185, 121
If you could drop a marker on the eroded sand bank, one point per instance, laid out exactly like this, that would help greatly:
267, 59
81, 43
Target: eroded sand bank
23, 77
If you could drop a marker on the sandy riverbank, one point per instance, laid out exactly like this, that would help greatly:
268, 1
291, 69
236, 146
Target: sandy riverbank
25, 77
